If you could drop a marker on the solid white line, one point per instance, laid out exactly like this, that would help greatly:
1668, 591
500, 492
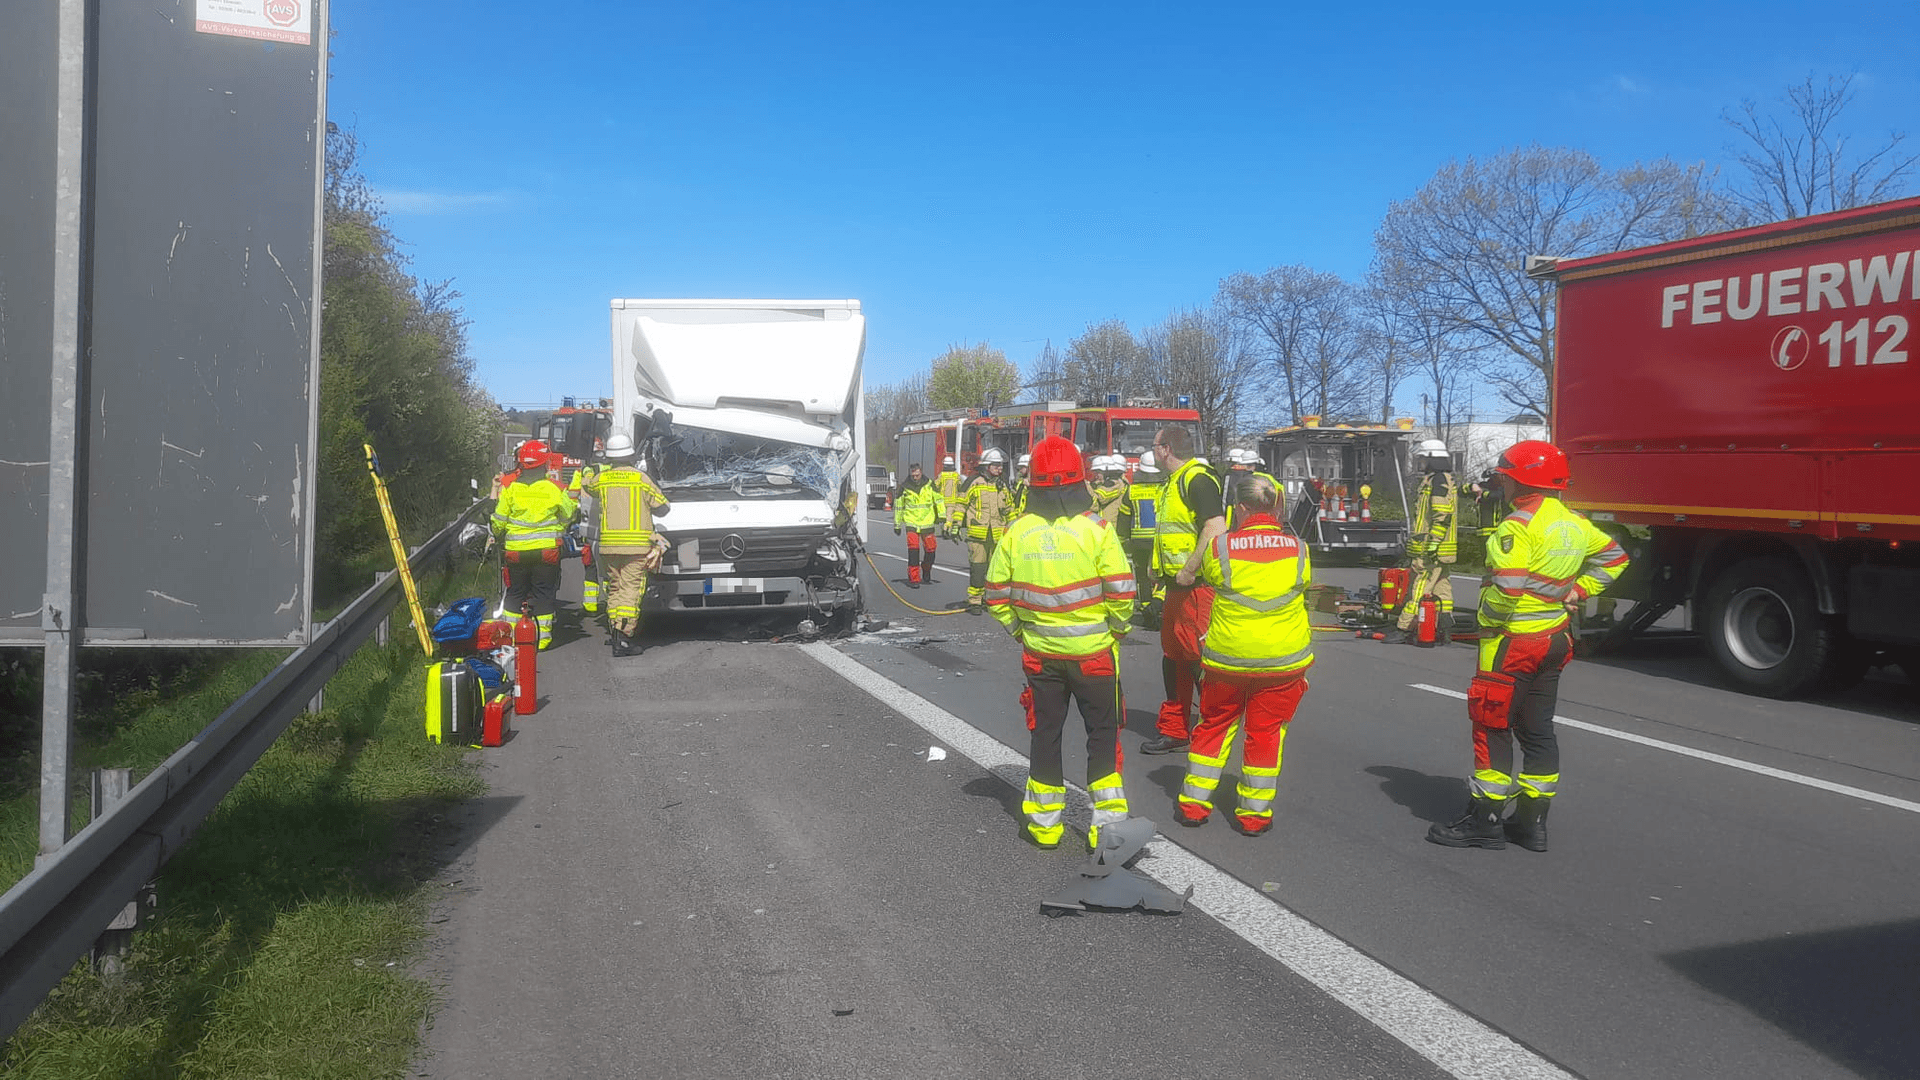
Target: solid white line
1717, 759
1434, 1029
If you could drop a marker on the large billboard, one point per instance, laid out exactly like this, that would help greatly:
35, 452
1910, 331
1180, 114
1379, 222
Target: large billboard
208, 121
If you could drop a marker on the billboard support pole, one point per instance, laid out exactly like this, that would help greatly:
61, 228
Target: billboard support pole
63, 609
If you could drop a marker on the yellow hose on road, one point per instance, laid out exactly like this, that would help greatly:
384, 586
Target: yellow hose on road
902, 599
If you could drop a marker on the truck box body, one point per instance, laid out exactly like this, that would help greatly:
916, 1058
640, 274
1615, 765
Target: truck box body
1754, 398
1764, 379
749, 413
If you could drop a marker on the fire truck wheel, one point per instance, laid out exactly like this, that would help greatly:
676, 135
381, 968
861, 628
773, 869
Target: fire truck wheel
1765, 629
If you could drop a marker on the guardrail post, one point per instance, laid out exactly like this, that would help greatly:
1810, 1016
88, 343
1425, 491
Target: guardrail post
382, 632
110, 950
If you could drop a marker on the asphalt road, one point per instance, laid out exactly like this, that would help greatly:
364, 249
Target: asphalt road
690, 861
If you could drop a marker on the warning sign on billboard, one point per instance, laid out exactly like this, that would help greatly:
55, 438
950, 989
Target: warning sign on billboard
268, 20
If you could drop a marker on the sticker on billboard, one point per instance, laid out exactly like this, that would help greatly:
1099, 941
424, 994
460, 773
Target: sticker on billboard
290, 21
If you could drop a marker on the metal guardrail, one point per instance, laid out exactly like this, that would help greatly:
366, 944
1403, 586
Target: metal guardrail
51, 918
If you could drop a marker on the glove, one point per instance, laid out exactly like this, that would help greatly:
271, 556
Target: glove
896, 530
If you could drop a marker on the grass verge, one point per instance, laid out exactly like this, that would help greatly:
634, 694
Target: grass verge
285, 928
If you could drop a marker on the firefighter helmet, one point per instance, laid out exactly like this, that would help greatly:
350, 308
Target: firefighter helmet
993, 456
1432, 448
1535, 464
618, 446
532, 454
1026, 459
948, 460
1056, 463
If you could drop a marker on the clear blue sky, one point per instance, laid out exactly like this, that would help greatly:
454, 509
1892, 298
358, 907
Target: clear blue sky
999, 172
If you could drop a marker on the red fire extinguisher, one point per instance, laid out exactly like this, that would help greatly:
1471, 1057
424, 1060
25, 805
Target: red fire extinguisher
526, 674
1427, 627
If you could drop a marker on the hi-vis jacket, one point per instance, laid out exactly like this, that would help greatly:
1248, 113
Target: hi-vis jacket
627, 499
949, 483
1178, 531
1063, 587
1110, 503
989, 507
1540, 557
1143, 497
1435, 518
918, 506
1259, 573
1230, 482
532, 515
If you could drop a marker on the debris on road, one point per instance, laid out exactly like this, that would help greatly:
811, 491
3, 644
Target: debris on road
1105, 884
934, 753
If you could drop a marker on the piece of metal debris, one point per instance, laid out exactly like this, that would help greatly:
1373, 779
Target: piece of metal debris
1104, 883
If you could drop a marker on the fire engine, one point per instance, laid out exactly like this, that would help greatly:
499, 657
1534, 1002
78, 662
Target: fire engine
575, 434
1113, 428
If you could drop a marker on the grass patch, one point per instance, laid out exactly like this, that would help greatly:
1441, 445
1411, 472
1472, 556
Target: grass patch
286, 927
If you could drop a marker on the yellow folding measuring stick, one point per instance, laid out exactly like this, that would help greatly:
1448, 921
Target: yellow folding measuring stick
399, 553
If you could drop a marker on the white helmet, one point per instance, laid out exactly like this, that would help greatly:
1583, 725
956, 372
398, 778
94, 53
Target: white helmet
1146, 467
1024, 459
1431, 448
619, 446
1237, 456
948, 460
993, 456
1146, 459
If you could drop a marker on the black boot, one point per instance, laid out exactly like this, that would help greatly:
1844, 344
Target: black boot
1478, 827
1396, 636
1528, 827
619, 642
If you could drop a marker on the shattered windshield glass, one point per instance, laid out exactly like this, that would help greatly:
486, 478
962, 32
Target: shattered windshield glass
698, 463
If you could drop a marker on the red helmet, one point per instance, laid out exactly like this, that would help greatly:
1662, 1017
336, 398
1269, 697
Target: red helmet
1056, 463
532, 454
1535, 464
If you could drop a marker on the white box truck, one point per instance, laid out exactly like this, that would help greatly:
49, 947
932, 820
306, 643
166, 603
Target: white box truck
750, 414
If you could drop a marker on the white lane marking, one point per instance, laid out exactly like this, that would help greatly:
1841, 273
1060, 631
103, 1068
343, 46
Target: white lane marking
1436, 1030
1717, 759
903, 558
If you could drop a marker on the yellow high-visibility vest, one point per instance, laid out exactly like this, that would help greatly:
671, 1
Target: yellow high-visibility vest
1064, 587
1145, 497
988, 503
627, 499
1178, 532
918, 506
1538, 558
1259, 573
532, 515
1435, 517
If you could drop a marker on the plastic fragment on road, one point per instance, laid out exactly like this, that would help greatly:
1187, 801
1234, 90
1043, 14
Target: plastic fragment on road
1104, 883
935, 753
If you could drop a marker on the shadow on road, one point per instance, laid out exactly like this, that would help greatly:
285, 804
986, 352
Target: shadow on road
1852, 995
1885, 692
999, 789
1427, 797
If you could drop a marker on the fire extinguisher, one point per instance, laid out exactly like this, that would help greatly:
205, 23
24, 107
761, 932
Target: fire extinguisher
526, 674
1427, 627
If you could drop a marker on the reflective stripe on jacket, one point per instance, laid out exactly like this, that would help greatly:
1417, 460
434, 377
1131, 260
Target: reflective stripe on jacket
918, 506
1063, 587
1144, 498
627, 499
1540, 557
950, 483
1436, 517
1178, 532
1259, 573
988, 506
532, 515
1110, 503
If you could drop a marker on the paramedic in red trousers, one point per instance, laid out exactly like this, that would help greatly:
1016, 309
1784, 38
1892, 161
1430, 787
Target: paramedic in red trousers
532, 514
1190, 517
1060, 583
1256, 653
918, 508
1541, 558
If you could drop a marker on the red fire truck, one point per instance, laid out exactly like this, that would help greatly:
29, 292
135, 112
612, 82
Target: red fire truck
1752, 400
575, 433
1096, 429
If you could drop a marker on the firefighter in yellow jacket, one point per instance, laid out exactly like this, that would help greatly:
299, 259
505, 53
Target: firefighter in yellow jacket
989, 509
531, 516
1434, 546
1255, 654
1541, 559
1061, 584
627, 501
918, 508
949, 483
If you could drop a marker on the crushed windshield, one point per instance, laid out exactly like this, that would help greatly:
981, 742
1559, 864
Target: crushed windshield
698, 460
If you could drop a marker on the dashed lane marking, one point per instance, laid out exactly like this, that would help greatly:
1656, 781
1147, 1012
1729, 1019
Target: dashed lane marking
1717, 759
1441, 1033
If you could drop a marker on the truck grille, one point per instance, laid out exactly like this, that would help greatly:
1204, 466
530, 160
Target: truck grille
766, 550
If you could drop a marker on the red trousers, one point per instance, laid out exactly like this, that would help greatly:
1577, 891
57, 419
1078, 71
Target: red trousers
1266, 702
1184, 616
921, 544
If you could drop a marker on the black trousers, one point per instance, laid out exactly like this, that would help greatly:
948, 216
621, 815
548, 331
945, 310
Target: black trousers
1095, 687
532, 578
1534, 663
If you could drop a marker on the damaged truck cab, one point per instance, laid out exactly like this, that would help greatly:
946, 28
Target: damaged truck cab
749, 414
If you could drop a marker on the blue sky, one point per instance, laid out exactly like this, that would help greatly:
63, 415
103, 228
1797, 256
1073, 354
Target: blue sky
999, 172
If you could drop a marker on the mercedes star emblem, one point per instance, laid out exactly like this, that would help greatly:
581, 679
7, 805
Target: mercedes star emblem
732, 546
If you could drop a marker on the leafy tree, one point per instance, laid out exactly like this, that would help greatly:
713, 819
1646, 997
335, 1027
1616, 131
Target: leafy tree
1797, 164
972, 376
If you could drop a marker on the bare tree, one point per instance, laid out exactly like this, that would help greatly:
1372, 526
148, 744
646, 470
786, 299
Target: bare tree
1277, 309
1798, 164
1464, 237
1389, 316
1048, 371
890, 405
1102, 360
1335, 382
1204, 355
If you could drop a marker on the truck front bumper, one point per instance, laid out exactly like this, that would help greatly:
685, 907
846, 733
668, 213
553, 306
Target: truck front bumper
736, 595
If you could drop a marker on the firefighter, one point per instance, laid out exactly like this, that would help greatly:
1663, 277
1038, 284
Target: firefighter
1434, 545
1136, 528
949, 483
589, 588
918, 507
1060, 583
1019, 487
1241, 465
1256, 653
627, 500
1110, 489
1542, 559
989, 506
530, 518
1191, 517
